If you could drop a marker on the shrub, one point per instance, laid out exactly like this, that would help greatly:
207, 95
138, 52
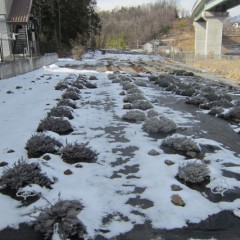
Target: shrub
70, 95
23, 174
181, 143
77, 84
128, 85
74, 153
233, 114
193, 172
142, 105
87, 84
141, 83
196, 100
159, 124
133, 97
61, 85
57, 125
216, 111
63, 215
40, 144
134, 116
134, 91
93, 77
224, 103
152, 113
67, 103
61, 112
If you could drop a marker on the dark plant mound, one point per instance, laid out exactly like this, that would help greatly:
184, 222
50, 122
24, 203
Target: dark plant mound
134, 116
233, 114
180, 143
128, 85
133, 97
67, 103
74, 153
61, 112
62, 85
196, 100
90, 85
23, 174
63, 215
134, 91
194, 173
181, 73
224, 103
77, 84
57, 125
142, 105
159, 125
40, 144
152, 113
141, 83
71, 95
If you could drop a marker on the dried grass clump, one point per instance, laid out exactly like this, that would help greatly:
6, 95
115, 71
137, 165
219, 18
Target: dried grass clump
77, 84
74, 153
23, 174
63, 218
158, 125
71, 95
196, 100
128, 85
181, 143
224, 103
90, 85
233, 114
133, 97
62, 85
40, 144
152, 113
134, 116
61, 112
67, 103
134, 90
141, 83
57, 125
193, 172
142, 105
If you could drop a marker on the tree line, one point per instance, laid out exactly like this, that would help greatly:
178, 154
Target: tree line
76, 22
134, 26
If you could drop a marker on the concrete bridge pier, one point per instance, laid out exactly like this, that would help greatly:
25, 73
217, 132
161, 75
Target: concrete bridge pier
208, 34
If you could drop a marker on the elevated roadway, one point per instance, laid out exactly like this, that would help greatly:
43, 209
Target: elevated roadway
209, 16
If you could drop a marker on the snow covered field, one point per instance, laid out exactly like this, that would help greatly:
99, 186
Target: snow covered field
126, 186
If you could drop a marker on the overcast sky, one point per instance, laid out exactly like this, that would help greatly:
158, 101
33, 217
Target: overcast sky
186, 4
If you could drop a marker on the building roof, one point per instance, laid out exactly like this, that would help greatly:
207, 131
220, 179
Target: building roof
20, 11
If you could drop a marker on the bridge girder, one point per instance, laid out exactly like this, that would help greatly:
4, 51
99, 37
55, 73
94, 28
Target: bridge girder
213, 6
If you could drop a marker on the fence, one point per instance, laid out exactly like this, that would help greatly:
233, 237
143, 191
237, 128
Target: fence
20, 66
191, 57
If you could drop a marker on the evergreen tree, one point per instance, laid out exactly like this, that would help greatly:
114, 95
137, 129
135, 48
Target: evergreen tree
64, 20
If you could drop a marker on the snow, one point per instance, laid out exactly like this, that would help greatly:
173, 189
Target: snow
93, 185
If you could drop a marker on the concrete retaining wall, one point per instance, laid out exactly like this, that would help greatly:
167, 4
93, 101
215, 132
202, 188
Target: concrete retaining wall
21, 66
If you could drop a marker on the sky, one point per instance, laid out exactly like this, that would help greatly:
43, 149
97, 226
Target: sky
186, 4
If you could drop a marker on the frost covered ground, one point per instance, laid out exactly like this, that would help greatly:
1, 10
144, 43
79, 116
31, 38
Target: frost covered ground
126, 187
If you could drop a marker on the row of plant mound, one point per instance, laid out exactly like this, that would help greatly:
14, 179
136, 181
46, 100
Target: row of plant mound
76, 82
221, 100
18, 181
